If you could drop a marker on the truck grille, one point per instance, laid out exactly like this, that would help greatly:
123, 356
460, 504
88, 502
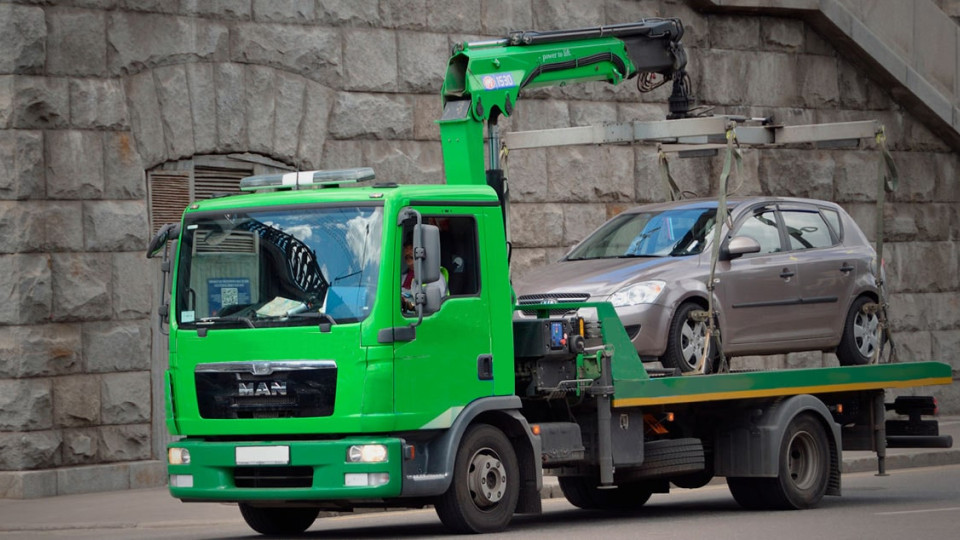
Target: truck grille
298, 389
548, 298
273, 477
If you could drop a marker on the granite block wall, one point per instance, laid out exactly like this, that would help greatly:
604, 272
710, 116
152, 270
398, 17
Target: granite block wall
93, 93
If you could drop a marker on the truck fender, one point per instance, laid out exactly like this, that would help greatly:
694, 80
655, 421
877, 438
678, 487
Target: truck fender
749, 444
432, 474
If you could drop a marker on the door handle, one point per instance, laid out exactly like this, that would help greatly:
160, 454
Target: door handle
485, 367
846, 268
787, 273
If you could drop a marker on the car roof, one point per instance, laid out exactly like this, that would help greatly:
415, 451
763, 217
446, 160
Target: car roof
732, 202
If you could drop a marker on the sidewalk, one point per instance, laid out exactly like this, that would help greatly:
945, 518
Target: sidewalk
155, 508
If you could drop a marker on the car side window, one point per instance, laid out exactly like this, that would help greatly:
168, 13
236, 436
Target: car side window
833, 218
806, 230
762, 227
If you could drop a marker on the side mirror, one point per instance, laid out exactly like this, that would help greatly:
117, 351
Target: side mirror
428, 238
168, 232
740, 245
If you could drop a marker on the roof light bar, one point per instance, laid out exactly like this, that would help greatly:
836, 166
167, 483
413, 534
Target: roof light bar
307, 179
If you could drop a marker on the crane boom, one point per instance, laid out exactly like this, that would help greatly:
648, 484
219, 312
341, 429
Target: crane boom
484, 79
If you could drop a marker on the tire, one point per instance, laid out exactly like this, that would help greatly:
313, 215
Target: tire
861, 335
278, 521
804, 463
583, 492
486, 483
672, 457
685, 342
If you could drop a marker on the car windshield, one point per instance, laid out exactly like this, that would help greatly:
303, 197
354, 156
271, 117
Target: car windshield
279, 267
668, 233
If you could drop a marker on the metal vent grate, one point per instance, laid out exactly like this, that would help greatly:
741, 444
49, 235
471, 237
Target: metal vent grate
547, 298
232, 242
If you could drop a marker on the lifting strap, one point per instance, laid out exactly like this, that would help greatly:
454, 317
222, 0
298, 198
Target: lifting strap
665, 175
887, 180
732, 156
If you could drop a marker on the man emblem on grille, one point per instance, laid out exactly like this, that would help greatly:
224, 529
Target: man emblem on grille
255, 389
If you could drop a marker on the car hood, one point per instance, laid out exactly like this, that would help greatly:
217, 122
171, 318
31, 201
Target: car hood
601, 277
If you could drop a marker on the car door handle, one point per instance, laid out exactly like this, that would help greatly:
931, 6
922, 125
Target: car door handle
787, 273
846, 268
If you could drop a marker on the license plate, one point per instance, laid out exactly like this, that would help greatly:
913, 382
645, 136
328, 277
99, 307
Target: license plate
263, 455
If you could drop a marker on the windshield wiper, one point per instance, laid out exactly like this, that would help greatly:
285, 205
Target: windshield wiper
314, 315
214, 320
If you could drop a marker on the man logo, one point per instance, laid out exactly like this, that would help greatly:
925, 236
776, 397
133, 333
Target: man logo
256, 389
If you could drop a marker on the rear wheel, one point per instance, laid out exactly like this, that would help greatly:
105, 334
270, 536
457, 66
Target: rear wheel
861, 335
583, 492
278, 521
804, 471
686, 340
486, 483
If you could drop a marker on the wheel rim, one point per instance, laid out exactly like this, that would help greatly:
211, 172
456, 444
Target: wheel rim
803, 460
866, 333
693, 335
486, 478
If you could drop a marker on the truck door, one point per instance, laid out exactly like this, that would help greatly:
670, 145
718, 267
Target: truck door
440, 370
758, 291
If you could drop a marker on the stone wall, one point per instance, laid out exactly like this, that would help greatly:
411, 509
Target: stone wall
95, 92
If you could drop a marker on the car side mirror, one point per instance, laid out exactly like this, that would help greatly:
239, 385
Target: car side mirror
740, 245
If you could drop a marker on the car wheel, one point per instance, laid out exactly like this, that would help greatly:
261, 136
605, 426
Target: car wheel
686, 340
861, 335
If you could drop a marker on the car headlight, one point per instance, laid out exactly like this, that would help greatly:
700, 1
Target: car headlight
644, 292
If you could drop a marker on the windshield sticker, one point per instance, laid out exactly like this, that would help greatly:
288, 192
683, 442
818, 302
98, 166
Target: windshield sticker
223, 292
496, 82
187, 316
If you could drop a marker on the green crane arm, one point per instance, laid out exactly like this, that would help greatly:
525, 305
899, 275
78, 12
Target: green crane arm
484, 79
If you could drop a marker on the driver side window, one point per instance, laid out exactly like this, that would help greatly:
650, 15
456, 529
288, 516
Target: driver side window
762, 227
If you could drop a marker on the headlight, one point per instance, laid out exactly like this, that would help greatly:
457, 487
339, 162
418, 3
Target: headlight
644, 292
178, 456
367, 453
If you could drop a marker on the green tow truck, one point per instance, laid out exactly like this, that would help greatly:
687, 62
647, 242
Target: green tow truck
337, 345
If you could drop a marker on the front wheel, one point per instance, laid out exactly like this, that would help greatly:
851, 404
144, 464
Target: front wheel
278, 521
486, 483
686, 340
861, 335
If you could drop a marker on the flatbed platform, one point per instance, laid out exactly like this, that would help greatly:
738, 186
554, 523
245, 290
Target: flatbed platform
759, 384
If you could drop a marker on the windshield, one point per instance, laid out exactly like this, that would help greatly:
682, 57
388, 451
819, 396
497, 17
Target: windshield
670, 233
279, 267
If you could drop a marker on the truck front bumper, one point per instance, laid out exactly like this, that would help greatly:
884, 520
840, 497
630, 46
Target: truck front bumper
284, 470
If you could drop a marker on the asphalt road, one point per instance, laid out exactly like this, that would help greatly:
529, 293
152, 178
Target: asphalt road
912, 504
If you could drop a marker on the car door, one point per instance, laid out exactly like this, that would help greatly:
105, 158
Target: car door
826, 271
758, 291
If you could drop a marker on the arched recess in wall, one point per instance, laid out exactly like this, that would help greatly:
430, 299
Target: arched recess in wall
204, 125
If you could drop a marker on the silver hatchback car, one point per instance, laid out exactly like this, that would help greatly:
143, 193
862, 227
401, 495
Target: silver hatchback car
793, 275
